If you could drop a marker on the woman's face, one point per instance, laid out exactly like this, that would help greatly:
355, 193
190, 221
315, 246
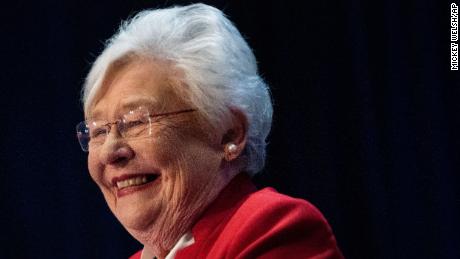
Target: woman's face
180, 159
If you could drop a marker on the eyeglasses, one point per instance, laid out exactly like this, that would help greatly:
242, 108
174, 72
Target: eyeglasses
135, 124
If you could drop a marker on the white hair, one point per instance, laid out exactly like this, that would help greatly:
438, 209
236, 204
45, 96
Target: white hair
220, 70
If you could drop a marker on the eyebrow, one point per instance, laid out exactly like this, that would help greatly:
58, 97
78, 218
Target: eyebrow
130, 103
135, 102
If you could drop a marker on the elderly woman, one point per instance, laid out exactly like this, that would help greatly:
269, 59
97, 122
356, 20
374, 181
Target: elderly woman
176, 122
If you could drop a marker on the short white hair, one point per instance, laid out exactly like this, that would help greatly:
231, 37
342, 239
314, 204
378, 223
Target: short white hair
220, 70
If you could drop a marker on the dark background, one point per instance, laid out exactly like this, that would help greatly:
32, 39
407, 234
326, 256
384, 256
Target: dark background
366, 122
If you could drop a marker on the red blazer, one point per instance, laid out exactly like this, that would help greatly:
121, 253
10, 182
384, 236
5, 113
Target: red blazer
245, 223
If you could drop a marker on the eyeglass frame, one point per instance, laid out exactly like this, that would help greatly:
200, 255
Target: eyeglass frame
116, 122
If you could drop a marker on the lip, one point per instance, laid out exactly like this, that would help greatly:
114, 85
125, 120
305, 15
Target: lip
129, 190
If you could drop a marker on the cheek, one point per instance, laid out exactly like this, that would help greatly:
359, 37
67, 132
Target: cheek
198, 166
185, 161
94, 168
166, 148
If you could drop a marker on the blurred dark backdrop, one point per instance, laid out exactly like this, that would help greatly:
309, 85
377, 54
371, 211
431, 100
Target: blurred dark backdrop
366, 122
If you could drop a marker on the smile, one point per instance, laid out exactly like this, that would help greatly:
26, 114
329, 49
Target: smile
131, 182
134, 180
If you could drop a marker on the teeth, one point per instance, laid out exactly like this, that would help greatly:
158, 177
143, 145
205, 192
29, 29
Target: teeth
132, 182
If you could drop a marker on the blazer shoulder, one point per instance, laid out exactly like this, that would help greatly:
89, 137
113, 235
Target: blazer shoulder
269, 202
269, 224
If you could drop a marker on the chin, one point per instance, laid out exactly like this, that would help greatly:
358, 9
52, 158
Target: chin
137, 217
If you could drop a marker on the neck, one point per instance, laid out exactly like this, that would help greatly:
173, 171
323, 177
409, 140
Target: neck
164, 233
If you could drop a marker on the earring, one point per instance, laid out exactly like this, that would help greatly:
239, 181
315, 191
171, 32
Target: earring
231, 148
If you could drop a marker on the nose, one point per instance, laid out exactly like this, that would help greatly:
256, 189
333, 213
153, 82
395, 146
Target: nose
115, 151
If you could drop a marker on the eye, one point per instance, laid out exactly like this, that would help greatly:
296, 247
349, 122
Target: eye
132, 128
132, 124
98, 132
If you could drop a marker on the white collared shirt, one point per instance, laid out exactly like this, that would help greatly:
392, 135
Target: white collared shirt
186, 240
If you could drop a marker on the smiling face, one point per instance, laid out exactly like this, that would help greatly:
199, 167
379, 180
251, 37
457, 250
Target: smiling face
155, 186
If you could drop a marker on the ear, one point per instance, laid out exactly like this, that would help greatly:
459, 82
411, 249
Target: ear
234, 139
